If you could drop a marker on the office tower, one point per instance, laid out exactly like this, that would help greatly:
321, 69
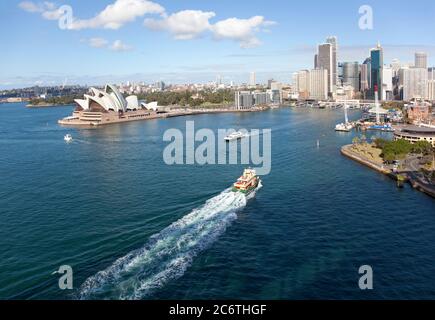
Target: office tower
351, 75
431, 73
334, 42
252, 79
319, 84
377, 63
421, 60
244, 100
295, 83
387, 83
316, 61
325, 62
395, 65
304, 84
414, 83
431, 90
364, 78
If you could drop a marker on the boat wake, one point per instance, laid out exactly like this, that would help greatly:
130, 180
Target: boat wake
167, 254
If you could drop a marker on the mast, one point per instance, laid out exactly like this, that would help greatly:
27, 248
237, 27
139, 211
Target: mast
346, 118
378, 116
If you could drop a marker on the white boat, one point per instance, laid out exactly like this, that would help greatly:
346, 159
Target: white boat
67, 138
346, 126
235, 136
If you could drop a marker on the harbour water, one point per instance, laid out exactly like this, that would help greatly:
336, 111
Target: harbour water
132, 227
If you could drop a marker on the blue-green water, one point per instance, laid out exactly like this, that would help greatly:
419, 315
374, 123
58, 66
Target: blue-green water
132, 227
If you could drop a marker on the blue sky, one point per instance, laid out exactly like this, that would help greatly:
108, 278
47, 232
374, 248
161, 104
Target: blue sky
198, 45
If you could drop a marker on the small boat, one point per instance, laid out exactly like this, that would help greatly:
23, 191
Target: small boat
235, 136
343, 127
247, 183
67, 138
346, 126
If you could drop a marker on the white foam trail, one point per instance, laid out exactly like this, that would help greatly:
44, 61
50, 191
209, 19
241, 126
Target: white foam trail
167, 254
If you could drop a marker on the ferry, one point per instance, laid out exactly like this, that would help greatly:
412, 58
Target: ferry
68, 138
235, 136
247, 183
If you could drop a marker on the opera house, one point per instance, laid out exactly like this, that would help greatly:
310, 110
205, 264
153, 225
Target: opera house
109, 106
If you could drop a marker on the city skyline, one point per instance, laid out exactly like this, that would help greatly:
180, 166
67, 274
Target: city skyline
147, 47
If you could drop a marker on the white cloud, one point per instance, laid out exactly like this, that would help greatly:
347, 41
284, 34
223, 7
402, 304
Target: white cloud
30, 6
97, 42
119, 46
102, 43
115, 15
241, 30
190, 24
184, 25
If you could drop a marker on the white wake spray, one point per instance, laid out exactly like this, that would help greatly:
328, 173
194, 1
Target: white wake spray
167, 254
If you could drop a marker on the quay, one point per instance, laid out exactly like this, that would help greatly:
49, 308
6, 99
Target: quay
410, 176
93, 119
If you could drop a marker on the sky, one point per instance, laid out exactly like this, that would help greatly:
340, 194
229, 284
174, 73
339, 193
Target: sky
185, 41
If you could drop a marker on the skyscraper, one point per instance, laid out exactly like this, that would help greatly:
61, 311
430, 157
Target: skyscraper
252, 79
319, 84
415, 83
334, 43
325, 62
351, 74
377, 64
421, 60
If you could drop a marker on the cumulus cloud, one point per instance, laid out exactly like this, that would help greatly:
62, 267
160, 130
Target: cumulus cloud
189, 24
184, 25
115, 15
48, 10
241, 30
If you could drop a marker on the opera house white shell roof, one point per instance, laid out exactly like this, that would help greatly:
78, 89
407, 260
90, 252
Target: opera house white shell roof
109, 99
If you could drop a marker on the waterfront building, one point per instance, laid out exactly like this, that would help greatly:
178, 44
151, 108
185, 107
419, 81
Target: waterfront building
275, 96
319, 84
414, 134
244, 100
109, 99
261, 98
106, 106
351, 75
325, 58
376, 63
421, 60
304, 84
334, 43
414, 83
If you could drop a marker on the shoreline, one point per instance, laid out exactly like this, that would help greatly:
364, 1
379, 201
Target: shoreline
415, 183
101, 119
